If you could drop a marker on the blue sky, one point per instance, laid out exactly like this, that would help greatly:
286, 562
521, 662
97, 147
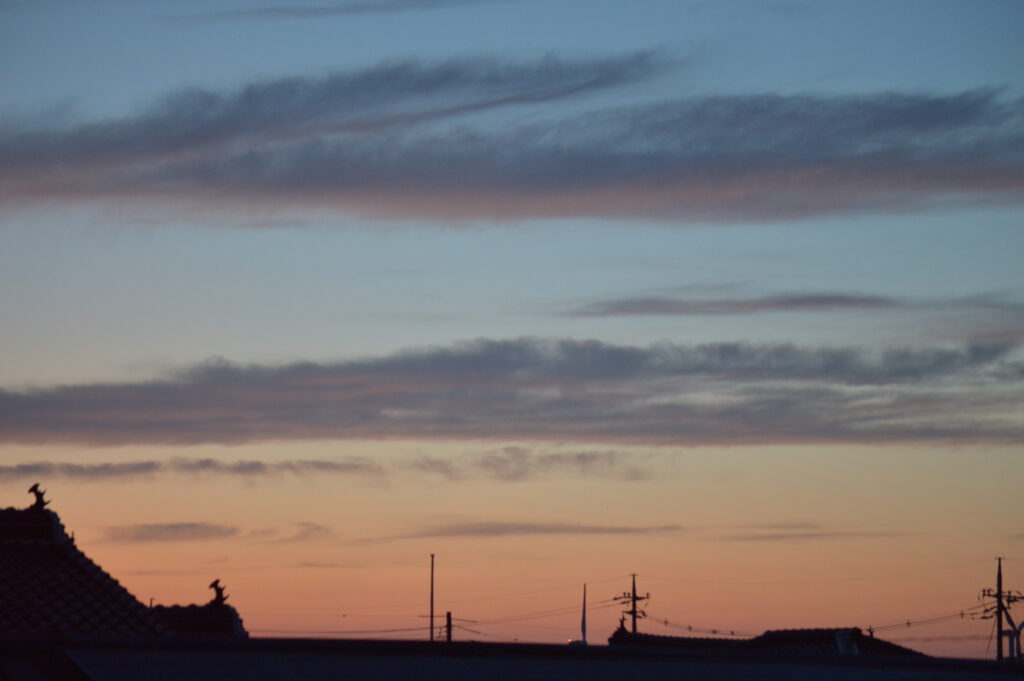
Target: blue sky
541, 237
276, 185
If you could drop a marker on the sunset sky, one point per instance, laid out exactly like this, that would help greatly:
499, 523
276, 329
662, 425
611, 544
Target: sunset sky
729, 295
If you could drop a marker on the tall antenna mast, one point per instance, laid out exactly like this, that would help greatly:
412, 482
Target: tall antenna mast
431, 597
999, 608
583, 622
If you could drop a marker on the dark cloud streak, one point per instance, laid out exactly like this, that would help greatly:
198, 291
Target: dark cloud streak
205, 125
584, 391
795, 535
299, 11
169, 532
245, 469
513, 464
657, 305
506, 529
408, 140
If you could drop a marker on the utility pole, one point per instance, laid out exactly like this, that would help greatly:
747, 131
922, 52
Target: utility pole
998, 595
1004, 599
448, 627
431, 598
632, 598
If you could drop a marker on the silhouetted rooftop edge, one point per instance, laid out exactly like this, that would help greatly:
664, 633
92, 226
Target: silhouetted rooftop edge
52, 590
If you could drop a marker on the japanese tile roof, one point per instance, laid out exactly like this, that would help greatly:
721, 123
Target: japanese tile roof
51, 589
624, 637
843, 641
213, 620
810, 642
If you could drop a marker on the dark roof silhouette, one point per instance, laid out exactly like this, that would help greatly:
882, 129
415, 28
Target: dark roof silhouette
787, 642
622, 637
213, 620
50, 588
292, 659
843, 641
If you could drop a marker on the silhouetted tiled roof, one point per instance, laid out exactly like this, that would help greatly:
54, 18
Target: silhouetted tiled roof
213, 620
812, 642
845, 641
50, 588
624, 637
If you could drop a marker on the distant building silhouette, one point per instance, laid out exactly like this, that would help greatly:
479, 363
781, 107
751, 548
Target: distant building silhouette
784, 642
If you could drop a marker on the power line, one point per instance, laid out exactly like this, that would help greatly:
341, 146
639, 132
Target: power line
935, 639
697, 630
542, 614
338, 632
530, 593
481, 633
965, 613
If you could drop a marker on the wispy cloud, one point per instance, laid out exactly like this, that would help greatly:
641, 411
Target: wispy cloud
247, 469
352, 466
515, 463
328, 9
506, 529
794, 531
506, 464
989, 316
984, 318
93, 471
168, 532
663, 305
326, 565
809, 535
198, 127
792, 525
533, 389
303, 532
410, 139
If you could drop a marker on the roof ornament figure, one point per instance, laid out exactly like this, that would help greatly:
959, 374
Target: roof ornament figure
40, 502
218, 590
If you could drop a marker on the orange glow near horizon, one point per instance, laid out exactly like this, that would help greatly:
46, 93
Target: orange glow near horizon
737, 539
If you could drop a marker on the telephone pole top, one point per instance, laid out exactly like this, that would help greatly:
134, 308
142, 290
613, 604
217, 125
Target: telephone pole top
1004, 599
633, 599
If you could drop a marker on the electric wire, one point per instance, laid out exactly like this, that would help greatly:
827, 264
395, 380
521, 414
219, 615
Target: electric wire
978, 611
686, 627
535, 591
543, 614
934, 639
959, 614
343, 632
488, 635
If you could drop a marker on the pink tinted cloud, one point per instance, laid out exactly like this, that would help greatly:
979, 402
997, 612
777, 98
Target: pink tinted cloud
582, 391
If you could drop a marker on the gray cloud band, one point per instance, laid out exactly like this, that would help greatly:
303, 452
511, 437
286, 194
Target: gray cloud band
315, 11
410, 140
533, 389
135, 469
507, 529
163, 532
506, 464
